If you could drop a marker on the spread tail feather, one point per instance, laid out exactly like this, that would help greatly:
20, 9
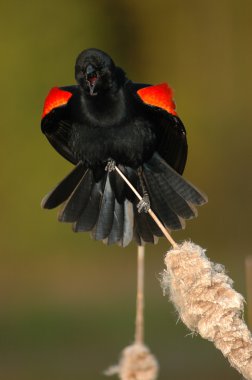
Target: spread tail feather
64, 189
142, 227
89, 215
181, 186
106, 206
127, 223
105, 219
78, 200
116, 233
91, 204
172, 198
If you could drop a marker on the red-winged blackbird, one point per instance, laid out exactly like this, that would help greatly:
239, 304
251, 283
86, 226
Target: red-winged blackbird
106, 119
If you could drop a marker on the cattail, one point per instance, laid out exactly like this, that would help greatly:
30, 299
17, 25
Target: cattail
136, 363
203, 295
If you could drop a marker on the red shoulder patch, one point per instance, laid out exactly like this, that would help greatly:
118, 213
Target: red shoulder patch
159, 96
54, 99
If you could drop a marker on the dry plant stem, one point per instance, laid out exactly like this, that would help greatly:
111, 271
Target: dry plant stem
248, 265
139, 334
151, 213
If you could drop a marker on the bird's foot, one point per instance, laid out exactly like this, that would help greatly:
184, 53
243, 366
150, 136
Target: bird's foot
110, 167
144, 204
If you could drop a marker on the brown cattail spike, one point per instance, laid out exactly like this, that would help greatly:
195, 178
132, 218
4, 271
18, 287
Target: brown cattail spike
206, 302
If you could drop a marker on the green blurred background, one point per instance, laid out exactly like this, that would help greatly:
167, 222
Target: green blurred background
67, 303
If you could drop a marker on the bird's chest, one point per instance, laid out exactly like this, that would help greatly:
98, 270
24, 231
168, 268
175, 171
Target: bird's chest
130, 142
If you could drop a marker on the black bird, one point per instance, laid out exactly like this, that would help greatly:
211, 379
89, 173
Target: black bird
106, 119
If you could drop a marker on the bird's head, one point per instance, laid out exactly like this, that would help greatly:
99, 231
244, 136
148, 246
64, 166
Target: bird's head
96, 72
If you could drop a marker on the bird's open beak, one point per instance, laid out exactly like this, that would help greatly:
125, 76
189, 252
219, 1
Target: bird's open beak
91, 78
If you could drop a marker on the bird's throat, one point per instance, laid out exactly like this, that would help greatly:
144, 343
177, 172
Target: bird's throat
105, 108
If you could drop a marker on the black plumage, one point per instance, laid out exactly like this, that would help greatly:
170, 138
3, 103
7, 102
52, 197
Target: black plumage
102, 119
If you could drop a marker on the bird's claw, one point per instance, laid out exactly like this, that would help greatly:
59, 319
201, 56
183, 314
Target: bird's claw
110, 167
144, 204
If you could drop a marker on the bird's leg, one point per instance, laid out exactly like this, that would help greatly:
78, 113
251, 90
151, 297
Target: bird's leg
110, 166
144, 204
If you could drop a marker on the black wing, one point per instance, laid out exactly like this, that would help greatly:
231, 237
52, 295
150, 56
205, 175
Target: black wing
56, 123
172, 142
172, 145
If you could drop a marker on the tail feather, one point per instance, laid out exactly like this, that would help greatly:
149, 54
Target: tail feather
127, 223
153, 226
118, 184
131, 175
137, 236
90, 213
143, 228
178, 183
159, 204
78, 199
169, 195
64, 189
106, 214
116, 233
